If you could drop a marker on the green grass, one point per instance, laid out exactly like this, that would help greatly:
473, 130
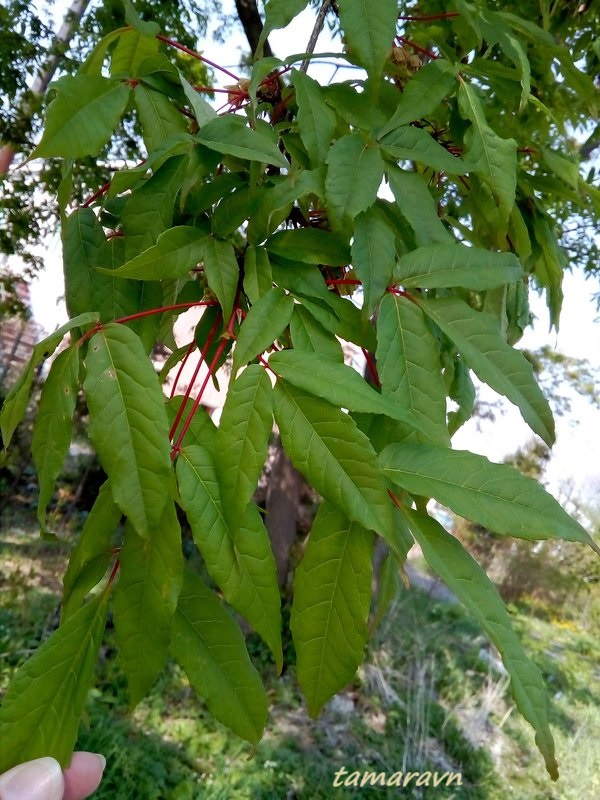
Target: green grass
427, 698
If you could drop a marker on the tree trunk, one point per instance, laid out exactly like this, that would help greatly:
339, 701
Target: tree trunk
252, 24
58, 48
284, 493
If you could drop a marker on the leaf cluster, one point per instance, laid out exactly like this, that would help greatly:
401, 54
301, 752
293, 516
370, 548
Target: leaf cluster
387, 212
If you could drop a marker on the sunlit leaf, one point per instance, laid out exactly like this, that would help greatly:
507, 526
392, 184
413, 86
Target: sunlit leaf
222, 272
176, 252
82, 116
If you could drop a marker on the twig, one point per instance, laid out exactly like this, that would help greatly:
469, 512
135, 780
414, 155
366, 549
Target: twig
320, 21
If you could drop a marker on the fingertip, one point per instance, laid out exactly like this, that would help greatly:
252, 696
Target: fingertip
83, 775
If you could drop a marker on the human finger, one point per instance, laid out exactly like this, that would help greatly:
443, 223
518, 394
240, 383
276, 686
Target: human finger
40, 779
83, 775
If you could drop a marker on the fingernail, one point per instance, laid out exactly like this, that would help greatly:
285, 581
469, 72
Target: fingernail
41, 779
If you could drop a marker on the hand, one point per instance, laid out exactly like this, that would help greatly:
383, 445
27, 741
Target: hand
43, 779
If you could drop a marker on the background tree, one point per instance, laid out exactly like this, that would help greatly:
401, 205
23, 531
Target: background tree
269, 217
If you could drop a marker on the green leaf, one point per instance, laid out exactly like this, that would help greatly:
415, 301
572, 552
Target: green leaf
148, 211
337, 383
316, 120
90, 558
201, 109
159, 118
462, 391
128, 424
332, 597
240, 561
202, 430
310, 246
243, 440
408, 363
82, 239
354, 174
422, 94
131, 49
234, 210
53, 424
325, 445
491, 27
309, 335
258, 279
266, 320
150, 579
369, 30
177, 251
44, 702
496, 496
275, 202
17, 399
222, 272
506, 370
373, 255
447, 265
230, 135
137, 23
82, 116
418, 207
210, 647
493, 159
408, 143
446, 556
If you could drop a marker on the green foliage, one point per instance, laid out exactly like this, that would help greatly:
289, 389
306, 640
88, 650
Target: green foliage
258, 218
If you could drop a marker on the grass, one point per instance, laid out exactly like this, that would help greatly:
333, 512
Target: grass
430, 696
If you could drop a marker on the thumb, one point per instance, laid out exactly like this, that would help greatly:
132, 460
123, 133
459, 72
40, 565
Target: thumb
41, 779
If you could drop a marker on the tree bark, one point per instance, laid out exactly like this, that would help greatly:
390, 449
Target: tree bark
252, 24
58, 48
284, 493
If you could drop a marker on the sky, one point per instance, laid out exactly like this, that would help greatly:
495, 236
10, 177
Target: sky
576, 457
